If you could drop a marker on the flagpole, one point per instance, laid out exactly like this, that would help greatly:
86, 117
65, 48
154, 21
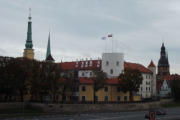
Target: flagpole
112, 44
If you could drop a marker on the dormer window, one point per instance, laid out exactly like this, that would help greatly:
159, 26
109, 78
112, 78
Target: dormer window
90, 63
98, 63
82, 64
76, 64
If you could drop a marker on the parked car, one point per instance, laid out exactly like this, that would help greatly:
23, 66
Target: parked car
157, 112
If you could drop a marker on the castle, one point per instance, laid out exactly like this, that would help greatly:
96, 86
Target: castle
112, 64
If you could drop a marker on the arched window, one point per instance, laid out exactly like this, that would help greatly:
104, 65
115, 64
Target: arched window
111, 71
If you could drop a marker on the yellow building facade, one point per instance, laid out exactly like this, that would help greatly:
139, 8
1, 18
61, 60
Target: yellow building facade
109, 93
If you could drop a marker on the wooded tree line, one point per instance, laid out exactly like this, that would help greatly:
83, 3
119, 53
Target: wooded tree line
175, 87
21, 76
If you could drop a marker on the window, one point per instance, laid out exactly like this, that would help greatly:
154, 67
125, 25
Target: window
149, 88
64, 98
106, 98
90, 63
106, 89
111, 71
83, 98
83, 88
82, 64
125, 98
90, 74
82, 73
118, 89
146, 88
96, 98
117, 63
107, 63
118, 98
141, 88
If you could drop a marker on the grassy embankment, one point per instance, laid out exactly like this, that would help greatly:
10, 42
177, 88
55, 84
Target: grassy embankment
171, 104
20, 112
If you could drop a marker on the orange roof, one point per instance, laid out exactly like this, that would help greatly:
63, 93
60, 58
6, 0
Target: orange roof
151, 64
140, 67
81, 65
170, 77
96, 64
83, 80
67, 65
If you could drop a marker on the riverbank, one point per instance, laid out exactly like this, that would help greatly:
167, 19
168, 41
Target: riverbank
28, 109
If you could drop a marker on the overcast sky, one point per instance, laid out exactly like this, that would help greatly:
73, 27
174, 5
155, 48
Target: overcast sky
138, 26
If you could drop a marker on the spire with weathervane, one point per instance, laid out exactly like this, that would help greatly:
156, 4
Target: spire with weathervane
29, 51
163, 63
48, 52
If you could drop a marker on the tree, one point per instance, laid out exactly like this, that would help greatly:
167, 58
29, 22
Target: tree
99, 80
50, 74
130, 80
175, 87
66, 84
21, 70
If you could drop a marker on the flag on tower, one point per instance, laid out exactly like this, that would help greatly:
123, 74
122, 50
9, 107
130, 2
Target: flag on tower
103, 38
110, 35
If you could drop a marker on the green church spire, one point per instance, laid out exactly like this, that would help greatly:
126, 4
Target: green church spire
29, 44
48, 52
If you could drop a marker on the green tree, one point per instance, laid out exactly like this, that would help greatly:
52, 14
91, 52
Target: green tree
175, 87
99, 80
130, 81
66, 84
21, 70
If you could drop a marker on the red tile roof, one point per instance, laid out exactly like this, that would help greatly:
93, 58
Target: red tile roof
83, 80
168, 78
96, 64
151, 64
81, 65
140, 67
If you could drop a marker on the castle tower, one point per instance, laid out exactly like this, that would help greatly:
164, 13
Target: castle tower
29, 51
163, 64
112, 64
152, 67
48, 52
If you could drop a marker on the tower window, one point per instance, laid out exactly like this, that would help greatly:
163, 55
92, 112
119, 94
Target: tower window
111, 71
107, 63
117, 63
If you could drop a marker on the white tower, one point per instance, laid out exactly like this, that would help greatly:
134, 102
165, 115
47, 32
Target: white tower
112, 64
152, 67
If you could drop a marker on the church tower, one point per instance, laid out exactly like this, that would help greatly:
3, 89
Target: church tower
49, 57
29, 51
163, 64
